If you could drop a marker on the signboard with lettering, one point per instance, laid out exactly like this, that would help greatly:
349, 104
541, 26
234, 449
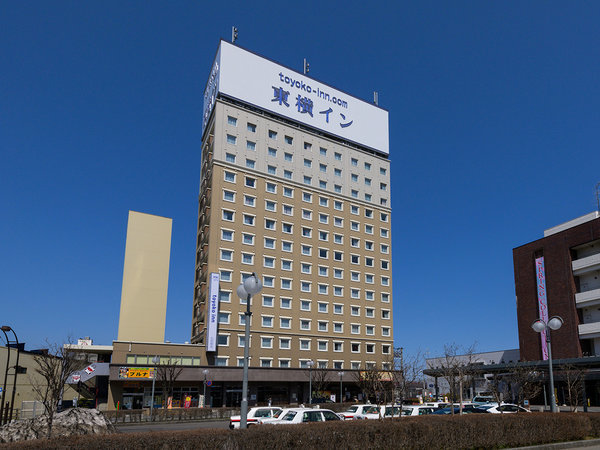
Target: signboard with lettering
213, 313
136, 372
542, 301
245, 76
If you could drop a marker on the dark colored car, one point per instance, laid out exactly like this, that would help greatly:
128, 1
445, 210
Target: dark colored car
466, 410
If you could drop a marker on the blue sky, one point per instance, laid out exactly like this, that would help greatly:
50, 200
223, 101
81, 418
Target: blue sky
494, 113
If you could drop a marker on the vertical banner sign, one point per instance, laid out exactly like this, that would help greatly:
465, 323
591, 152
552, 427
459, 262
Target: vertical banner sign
542, 301
213, 313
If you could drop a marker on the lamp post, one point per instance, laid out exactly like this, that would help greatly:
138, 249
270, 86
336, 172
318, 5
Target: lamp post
251, 285
205, 372
539, 326
155, 361
5, 377
341, 374
310, 365
12, 401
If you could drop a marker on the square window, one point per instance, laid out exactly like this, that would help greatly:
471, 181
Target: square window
223, 339
305, 268
323, 184
383, 186
286, 227
338, 309
272, 170
354, 161
272, 134
323, 253
385, 313
384, 232
355, 328
337, 156
284, 363
354, 178
338, 346
288, 210
323, 270
307, 162
268, 281
272, 152
323, 289
305, 344
338, 222
269, 242
307, 146
305, 286
338, 273
288, 192
230, 157
385, 297
249, 200
225, 275
385, 265
307, 214
267, 301
355, 242
226, 255
369, 295
231, 139
307, 179
224, 317
368, 213
270, 224
337, 172
266, 342
355, 310
266, 362
337, 188
271, 187
385, 281
226, 235
367, 182
338, 238
369, 229
306, 232
338, 291
382, 171
285, 343
285, 303
287, 174
288, 140
306, 250
224, 297
355, 276
323, 218
355, 293
367, 166
232, 121
269, 261
369, 262
322, 307
307, 197
305, 305
355, 259
285, 322
250, 145
286, 264
288, 156
247, 258
250, 182
369, 278
322, 347
286, 284
270, 205
250, 163
267, 321
286, 246
354, 193
248, 239
323, 235
228, 196
305, 324
368, 197
369, 312
229, 177
338, 256
251, 127
322, 151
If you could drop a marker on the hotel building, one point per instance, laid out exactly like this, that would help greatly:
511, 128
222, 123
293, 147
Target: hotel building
294, 186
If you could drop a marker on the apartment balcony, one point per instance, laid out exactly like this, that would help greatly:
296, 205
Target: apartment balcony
588, 298
589, 330
587, 264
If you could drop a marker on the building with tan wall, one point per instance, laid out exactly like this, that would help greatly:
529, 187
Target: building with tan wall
145, 278
287, 195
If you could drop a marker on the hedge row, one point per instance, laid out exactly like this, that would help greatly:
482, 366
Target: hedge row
430, 432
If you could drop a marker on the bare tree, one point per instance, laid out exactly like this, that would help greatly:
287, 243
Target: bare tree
320, 380
376, 384
406, 371
574, 379
455, 367
166, 374
55, 366
525, 383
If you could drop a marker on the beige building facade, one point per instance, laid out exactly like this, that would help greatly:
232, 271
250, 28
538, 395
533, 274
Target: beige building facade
310, 214
145, 278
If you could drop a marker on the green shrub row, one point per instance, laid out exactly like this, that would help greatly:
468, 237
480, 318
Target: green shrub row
427, 432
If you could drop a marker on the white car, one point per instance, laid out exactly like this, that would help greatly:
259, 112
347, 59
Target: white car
356, 412
253, 415
504, 408
417, 410
278, 415
381, 411
304, 415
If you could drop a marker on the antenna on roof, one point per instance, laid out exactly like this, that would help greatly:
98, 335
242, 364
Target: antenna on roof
306, 66
234, 34
376, 97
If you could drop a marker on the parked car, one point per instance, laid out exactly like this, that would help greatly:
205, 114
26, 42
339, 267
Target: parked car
278, 415
380, 411
253, 415
304, 415
356, 412
504, 408
483, 399
437, 405
448, 410
417, 410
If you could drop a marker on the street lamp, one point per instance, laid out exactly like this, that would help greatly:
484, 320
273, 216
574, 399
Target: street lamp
341, 374
5, 377
540, 326
310, 365
4, 329
251, 285
205, 372
155, 361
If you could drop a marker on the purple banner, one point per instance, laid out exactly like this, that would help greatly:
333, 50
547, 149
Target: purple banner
542, 301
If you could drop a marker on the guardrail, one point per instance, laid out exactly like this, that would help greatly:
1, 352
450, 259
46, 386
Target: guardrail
169, 415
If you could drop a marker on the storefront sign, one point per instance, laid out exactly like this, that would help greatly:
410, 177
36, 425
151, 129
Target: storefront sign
136, 372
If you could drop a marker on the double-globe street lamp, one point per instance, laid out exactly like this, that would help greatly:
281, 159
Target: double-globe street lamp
554, 323
341, 374
6, 413
310, 365
251, 286
205, 372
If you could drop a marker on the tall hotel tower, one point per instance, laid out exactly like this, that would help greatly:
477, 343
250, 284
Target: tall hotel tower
294, 186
